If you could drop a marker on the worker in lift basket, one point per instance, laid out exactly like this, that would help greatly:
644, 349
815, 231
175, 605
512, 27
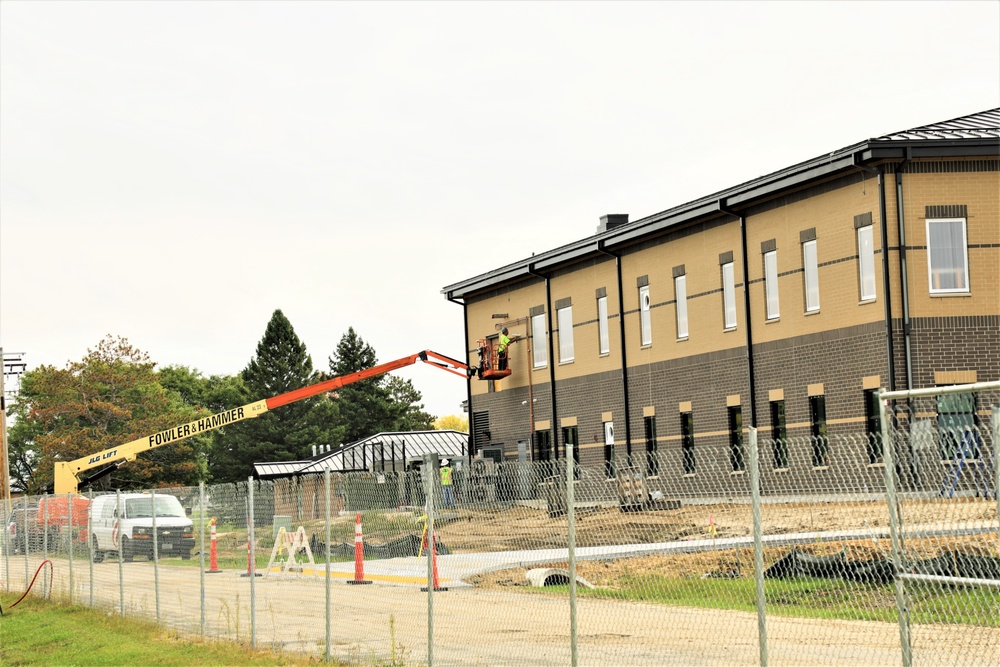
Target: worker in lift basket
447, 490
502, 350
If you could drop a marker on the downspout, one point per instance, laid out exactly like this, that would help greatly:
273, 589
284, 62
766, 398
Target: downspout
552, 359
885, 267
468, 382
751, 369
621, 341
903, 277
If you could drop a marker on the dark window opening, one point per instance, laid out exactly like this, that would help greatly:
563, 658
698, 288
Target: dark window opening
817, 422
542, 446
873, 426
957, 426
652, 461
571, 437
687, 442
736, 454
779, 434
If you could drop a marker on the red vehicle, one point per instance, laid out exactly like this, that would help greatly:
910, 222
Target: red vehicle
47, 523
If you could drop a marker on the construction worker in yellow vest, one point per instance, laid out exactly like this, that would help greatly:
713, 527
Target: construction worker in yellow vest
504, 342
447, 490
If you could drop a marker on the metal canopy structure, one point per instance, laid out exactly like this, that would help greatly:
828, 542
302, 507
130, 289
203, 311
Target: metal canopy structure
387, 451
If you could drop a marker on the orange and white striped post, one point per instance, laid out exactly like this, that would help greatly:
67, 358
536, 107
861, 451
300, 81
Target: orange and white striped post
213, 555
431, 540
359, 554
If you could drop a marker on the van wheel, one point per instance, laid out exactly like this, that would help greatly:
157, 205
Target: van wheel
97, 556
126, 549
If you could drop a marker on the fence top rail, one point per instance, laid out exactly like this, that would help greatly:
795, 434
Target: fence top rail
937, 391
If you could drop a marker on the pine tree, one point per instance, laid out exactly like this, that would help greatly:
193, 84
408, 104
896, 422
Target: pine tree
365, 406
287, 433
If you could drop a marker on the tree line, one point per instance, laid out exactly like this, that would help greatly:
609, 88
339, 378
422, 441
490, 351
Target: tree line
116, 394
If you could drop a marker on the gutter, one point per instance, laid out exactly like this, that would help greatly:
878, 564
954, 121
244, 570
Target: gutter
468, 383
621, 344
880, 173
751, 369
552, 359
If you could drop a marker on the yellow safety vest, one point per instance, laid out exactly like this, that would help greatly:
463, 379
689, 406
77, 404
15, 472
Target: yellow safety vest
446, 476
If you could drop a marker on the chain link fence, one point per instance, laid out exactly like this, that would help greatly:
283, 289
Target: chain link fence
892, 559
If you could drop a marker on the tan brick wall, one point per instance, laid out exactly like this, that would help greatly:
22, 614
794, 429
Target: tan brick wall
581, 286
980, 191
832, 215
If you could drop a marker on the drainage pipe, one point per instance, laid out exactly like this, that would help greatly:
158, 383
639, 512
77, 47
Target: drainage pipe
751, 370
468, 382
903, 277
621, 344
552, 359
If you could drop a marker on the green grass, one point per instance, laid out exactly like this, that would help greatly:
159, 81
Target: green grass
40, 632
811, 598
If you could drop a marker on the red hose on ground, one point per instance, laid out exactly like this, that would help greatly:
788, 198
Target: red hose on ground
43, 564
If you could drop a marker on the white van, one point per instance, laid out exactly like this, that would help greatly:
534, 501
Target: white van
132, 532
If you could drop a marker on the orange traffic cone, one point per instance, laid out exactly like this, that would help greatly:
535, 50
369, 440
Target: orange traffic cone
359, 554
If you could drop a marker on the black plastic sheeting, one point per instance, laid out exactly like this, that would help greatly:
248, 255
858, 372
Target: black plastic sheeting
408, 545
797, 563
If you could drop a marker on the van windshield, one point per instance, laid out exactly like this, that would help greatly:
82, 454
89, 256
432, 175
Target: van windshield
137, 508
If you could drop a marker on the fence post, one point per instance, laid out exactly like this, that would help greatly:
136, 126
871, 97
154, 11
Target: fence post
326, 490
995, 434
201, 552
69, 531
571, 549
252, 564
45, 541
889, 463
156, 556
121, 552
90, 542
758, 545
430, 470
25, 541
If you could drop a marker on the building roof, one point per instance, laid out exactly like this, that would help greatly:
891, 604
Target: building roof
974, 135
360, 455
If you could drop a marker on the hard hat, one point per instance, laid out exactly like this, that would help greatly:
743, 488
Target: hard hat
444, 462
504, 331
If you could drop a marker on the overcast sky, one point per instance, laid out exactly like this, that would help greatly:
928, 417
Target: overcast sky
174, 172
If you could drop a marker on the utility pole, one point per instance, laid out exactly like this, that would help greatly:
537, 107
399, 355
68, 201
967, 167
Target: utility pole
16, 367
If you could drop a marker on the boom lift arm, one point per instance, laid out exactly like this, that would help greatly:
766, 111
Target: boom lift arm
68, 477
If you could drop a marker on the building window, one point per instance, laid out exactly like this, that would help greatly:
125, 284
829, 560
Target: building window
873, 426
729, 295
652, 460
687, 442
609, 449
680, 293
771, 284
957, 426
571, 437
539, 350
810, 266
736, 454
779, 435
947, 256
866, 262
645, 325
564, 316
817, 423
543, 446
604, 340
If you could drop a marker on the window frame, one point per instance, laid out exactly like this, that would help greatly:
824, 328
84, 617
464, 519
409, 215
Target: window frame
964, 269
772, 301
603, 329
866, 263
810, 275
818, 429
539, 347
728, 296
609, 449
566, 347
873, 426
645, 317
680, 301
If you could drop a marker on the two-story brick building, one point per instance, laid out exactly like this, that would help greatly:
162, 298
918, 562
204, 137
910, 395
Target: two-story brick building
782, 303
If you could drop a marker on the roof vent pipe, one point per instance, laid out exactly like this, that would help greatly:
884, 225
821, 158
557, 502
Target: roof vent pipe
612, 220
314, 451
